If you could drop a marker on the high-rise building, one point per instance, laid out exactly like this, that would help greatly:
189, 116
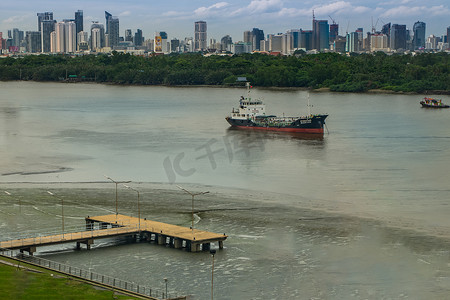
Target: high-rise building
306, 40
398, 37
247, 36
97, 36
113, 31
66, 37
378, 42
257, 37
386, 30
138, 38
79, 20
47, 27
17, 37
225, 43
200, 36
334, 32
1, 41
46, 16
295, 35
33, 39
175, 45
321, 34
352, 44
419, 35
128, 35
275, 42
107, 17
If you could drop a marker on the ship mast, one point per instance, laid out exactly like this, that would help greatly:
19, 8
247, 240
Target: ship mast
247, 84
309, 107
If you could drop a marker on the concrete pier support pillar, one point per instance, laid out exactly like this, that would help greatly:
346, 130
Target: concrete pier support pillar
161, 239
220, 244
195, 247
177, 243
206, 246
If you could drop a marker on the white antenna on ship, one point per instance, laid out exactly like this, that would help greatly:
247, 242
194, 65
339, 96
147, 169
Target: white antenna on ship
309, 107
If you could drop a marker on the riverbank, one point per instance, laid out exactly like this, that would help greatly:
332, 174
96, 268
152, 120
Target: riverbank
19, 280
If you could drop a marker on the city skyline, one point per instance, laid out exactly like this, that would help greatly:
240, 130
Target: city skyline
232, 17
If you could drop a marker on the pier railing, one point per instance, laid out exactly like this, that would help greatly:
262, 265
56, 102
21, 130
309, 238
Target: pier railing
107, 281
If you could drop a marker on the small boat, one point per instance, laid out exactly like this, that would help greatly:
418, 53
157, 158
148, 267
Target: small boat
251, 114
433, 103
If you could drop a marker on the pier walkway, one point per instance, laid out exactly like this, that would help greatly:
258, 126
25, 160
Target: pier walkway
109, 226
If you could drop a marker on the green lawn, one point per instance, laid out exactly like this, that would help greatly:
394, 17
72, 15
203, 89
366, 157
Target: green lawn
20, 283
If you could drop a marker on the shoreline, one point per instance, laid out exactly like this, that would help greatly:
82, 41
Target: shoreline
272, 88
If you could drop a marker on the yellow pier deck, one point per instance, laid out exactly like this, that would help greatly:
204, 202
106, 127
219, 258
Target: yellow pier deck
121, 225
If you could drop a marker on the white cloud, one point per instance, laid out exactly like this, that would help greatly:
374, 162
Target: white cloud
16, 19
210, 10
125, 14
405, 11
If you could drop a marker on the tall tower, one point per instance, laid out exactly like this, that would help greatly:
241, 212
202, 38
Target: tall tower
46, 16
257, 37
113, 31
47, 27
419, 35
321, 34
398, 36
97, 36
79, 20
107, 17
200, 36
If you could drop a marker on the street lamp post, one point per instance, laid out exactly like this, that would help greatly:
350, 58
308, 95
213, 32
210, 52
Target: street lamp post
116, 182
62, 209
213, 252
165, 280
192, 195
139, 207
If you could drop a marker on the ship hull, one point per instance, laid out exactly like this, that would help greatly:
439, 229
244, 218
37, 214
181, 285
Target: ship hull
314, 125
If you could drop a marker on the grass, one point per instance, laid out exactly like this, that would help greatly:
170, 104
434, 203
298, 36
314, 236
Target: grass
35, 283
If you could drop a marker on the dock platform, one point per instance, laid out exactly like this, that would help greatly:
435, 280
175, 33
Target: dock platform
193, 240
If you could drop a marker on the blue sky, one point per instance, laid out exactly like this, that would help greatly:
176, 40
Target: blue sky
231, 16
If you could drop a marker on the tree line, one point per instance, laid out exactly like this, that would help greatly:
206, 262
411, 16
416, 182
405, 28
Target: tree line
355, 73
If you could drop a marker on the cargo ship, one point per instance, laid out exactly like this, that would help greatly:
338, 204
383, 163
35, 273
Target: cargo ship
251, 114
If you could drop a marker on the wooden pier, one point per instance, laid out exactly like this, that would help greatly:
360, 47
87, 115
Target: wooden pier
109, 226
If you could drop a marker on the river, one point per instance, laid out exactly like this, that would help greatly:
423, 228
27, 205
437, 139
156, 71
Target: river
362, 213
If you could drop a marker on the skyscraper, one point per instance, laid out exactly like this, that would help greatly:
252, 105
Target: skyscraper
17, 37
97, 36
398, 37
257, 37
128, 35
107, 16
113, 31
321, 34
419, 35
334, 32
200, 36
352, 44
65, 37
47, 27
79, 20
46, 16
33, 41
138, 38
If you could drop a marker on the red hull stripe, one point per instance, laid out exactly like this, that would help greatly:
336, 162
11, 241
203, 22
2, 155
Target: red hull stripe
303, 130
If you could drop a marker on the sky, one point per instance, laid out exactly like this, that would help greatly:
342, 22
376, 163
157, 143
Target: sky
232, 17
